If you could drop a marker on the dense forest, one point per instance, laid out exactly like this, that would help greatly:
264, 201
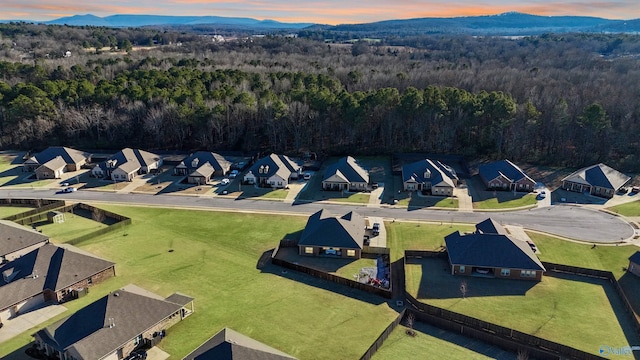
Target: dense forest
570, 99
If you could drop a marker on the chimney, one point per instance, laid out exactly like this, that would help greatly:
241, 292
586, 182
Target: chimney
427, 174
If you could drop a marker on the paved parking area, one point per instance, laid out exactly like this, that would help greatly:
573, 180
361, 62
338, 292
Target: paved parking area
26, 321
379, 240
155, 353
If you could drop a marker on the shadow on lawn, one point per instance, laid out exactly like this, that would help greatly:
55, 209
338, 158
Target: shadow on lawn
479, 193
438, 283
18, 354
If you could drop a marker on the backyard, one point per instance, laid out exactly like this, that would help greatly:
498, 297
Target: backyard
212, 256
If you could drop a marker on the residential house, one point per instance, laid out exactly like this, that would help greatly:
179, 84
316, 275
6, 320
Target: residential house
505, 175
201, 166
127, 164
114, 325
429, 176
599, 180
346, 174
330, 235
273, 171
55, 160
634, 264
494, 254
228, 344
48, 273
17, 240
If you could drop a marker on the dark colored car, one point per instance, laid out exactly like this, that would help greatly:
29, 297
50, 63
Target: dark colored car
137, 355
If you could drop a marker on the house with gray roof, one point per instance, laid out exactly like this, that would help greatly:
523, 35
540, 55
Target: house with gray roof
336, 236
634, 264
48, 273
273, 171
599, 180
113, 326
17, 240
127, 164
505, 175
228, 344
201, 166
429, 176
55, 160
346, 174
492, 254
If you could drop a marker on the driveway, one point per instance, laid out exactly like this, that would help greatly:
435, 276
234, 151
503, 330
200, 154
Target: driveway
26, 321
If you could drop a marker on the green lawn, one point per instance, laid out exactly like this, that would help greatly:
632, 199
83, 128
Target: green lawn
402, 236
8, 171
12, 210
358, 198
498, 203
278, 194
214, 259
627, 209
417, 201
73, 227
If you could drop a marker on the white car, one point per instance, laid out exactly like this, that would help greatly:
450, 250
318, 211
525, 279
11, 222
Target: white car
224, 181
233, 174
306, 176
69, 189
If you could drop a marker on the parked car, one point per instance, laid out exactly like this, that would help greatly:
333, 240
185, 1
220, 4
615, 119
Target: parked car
306, 176
233, 174
635, 190
376, 228
542, 194
64, 184
69, 189
137, 355
224, 181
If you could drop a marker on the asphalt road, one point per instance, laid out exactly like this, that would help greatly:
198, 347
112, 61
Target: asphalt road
574, 222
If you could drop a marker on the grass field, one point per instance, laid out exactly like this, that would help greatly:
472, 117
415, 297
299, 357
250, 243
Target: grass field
418, 236
73, 227
417, 201
214, 259
627, 209
8, 171
12, 210
502, 203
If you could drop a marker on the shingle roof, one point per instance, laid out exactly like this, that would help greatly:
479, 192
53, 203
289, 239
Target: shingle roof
88, 331
635, 258
325, 229
217, 161
14, 237
490, 226
273, 164
205, 170
130, 160
228, 344
491, 250
180, 299
70, 156
48, 267
55, 163
439, 173
505, 168
348, 169
599, 175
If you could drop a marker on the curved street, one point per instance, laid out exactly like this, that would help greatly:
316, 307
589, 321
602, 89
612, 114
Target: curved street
573, 222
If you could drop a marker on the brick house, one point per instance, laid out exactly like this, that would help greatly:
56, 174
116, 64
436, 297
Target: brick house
228, 344
346, 174
201, 166
273, 171
505, 175
429, 176
114, 325
599, 180
492, 253
55, 160
48, 273
333, 236
127, 164
16, 240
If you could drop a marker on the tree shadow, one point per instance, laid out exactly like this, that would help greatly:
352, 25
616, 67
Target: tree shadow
19, 354
570, 197
631, 286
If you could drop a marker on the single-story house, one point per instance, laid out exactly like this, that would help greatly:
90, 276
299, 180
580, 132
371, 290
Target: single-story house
273, 171
599, 180
505, 175
127, 164
346, 174
48, 273
17, 240
114, 325
492, 254
634, 264
72, 159
329, 235
201, 166
429, 175
228, 344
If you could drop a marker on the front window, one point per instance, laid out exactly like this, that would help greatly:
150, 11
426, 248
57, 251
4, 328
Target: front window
505, 272
308, 250
527, 273
137, 340
462, 269
351, 253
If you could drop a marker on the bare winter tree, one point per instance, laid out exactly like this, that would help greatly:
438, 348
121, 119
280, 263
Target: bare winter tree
464, 288
97, 215
522, 355
410, 320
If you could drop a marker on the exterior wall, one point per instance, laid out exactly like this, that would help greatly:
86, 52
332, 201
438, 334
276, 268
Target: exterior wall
571, 186
334, 185
498, 183
514, 274
634, 268
411, 186
27, 305
250, 178
152, 166
318, 249
358, 186
17, 254
120, 175
602, 192
524, 184
47, 173
277, 182
442, 190
198, 180
66, 293
148, 334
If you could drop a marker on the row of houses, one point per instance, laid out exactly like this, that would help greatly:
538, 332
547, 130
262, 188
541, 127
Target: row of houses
277, 171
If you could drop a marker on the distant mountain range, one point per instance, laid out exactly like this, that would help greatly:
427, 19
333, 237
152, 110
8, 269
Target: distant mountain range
511, 23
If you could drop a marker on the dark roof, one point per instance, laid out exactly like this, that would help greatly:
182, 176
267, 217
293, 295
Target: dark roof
429, 171
325, 229
599, 175
55, 163
89, 331
490, 226
14, 237
180, 299
635, 258
199, 158
48, 267
228, 344
347, 169
491, 250
274, 164
70, 156
130, 160
503, 167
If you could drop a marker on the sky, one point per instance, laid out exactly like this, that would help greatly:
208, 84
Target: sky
316, 11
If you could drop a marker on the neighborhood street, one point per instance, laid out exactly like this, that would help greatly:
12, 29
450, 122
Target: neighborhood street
573, 222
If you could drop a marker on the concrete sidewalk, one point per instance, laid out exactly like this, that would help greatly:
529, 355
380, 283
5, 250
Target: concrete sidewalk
375, 198
16, 326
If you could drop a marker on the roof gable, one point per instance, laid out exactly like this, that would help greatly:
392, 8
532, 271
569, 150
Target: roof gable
429, 171
503, 168
69, 155
14, 237
347, 168
490, 226
198, 158
325, 229
130, 160
599, 175
274, 164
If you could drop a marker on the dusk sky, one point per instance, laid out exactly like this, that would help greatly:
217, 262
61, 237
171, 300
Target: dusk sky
317, 11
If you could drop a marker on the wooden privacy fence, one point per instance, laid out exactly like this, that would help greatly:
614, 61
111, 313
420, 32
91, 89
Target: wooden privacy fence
383, 336
41, 205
